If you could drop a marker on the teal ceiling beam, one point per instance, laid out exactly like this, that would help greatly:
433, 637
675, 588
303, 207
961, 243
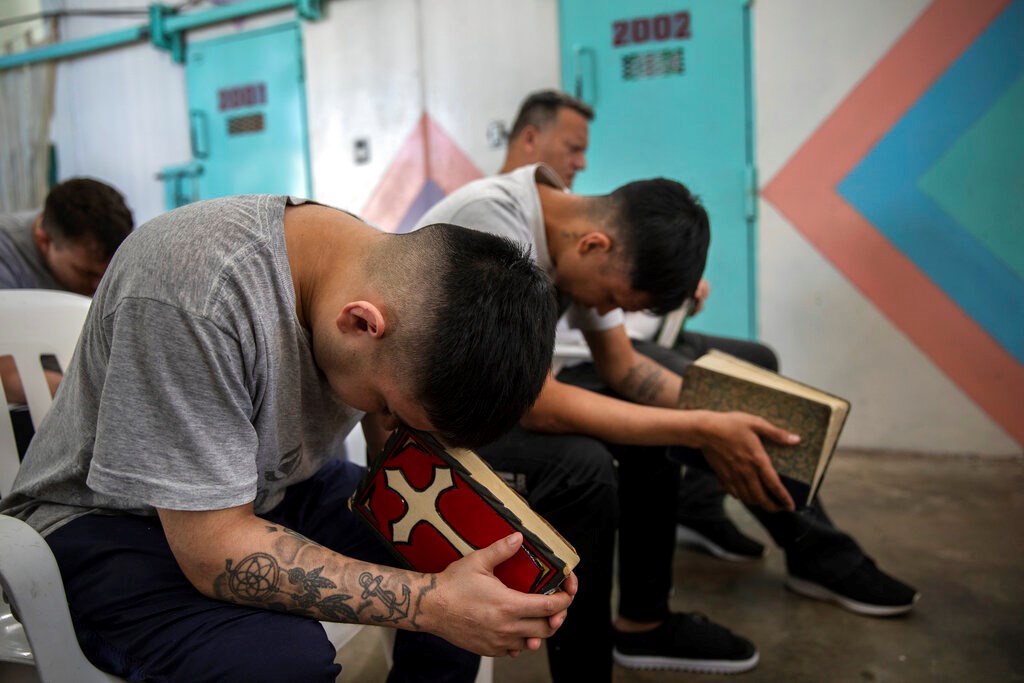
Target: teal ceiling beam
308, 9
166, 30
73, 48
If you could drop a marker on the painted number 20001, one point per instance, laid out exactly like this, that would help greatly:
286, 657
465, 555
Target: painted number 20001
660, 27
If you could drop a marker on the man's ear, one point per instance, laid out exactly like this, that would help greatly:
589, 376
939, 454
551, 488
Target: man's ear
528, 137
39, 236
594, 242
361, 316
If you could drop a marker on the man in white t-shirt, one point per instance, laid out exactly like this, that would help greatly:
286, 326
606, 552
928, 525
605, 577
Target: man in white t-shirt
594, 462
823, 561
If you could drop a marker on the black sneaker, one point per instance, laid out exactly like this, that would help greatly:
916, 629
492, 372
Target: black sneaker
867, 590
720, 538
686, 642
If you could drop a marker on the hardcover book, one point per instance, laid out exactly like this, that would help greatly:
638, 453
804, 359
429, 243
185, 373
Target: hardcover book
433, 505
719, 381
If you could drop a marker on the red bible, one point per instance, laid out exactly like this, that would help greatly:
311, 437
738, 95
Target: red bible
434, 504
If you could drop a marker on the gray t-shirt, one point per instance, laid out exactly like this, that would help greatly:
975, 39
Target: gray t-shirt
508, 205
21, 266
193, 386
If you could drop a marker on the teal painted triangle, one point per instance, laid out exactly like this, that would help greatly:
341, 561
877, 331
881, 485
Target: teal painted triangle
979, 181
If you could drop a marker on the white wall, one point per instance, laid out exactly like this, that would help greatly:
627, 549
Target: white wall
363, 77
374, 66
481, 72
120, 115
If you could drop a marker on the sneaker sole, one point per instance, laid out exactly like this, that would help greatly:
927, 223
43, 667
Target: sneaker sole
688, 536
701, 666
817, 592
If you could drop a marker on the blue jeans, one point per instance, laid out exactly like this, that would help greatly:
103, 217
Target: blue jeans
138, 617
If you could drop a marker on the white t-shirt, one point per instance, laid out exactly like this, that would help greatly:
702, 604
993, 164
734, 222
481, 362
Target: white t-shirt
508, 205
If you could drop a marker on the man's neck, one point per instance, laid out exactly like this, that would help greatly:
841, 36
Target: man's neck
565, 219
514, 159
326, 252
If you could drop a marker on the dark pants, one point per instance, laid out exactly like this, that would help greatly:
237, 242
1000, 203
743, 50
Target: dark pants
137, 616
21, 422
811, 541
587, 490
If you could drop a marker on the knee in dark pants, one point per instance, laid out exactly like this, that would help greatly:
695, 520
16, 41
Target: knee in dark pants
297, 651
587, 487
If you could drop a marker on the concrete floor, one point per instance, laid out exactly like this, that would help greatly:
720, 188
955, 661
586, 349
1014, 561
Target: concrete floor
951, 526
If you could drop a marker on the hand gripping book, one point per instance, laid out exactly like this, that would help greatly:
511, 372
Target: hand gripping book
719, 381
433, 505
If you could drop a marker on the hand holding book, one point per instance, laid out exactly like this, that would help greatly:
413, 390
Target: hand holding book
720, 382
734, 448
469, 584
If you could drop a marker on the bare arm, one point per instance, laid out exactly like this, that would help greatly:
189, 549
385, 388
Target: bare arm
14, 392
630, 374
233, 555
731, 442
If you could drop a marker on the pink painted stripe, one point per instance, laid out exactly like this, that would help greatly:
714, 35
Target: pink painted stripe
428, 153
401, 183
449, 166
805, 192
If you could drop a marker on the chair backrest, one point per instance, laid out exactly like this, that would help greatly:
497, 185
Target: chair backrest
35, 323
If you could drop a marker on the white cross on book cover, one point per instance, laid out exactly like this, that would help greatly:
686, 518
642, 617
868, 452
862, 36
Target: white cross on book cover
433, 505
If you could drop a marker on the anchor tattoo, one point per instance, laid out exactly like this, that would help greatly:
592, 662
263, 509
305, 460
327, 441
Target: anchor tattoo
396, 609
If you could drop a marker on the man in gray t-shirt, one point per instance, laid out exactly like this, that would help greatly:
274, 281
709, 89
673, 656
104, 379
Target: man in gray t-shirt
66, 246
229, 345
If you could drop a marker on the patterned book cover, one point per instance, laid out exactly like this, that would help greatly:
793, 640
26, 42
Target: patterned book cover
818, 418
434, 504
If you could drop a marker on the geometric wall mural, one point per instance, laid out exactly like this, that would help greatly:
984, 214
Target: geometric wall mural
428, 167
913, 188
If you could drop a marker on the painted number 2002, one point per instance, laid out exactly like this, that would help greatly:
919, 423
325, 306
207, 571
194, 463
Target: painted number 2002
646, 29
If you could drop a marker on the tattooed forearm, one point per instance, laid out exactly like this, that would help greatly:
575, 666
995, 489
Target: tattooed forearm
277, 580
644, 382
260, 580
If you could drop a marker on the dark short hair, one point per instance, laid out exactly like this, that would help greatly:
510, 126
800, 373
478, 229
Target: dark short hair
487, 349
86, 210
665, 233
540, 108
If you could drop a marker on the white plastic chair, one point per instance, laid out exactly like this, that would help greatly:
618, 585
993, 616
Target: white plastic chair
40, 644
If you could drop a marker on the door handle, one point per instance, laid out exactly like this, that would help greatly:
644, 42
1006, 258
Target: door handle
584, 73
199, 134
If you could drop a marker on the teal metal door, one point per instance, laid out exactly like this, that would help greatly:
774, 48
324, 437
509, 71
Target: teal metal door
247, 113
670, 84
